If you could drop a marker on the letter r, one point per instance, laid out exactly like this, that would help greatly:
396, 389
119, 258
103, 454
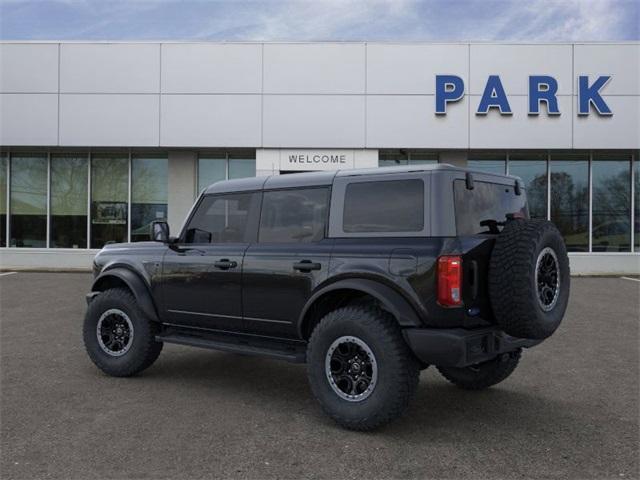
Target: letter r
548, 96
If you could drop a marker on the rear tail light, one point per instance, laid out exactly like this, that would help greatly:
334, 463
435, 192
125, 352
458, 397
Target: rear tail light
450, 281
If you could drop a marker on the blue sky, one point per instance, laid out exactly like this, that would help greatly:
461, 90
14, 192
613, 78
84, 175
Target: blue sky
306, 20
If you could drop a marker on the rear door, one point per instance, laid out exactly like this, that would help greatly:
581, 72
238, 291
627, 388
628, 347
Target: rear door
289, 260
202, 273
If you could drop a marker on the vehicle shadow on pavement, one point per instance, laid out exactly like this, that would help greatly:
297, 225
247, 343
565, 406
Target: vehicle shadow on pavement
437, 405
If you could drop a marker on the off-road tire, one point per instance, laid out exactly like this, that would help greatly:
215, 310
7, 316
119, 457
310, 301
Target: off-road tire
513, 290
144, 349
483, 375
398, 370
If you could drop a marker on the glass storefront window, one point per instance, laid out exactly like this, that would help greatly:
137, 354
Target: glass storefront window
611, 204
149, 194
532, 169
570, 199
214, 167
393, 158
488, 162
211, 169
4, 161
421, 158
68, 228
109, 193
242, 165
28, 207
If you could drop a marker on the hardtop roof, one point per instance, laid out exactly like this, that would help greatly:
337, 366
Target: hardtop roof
313, 179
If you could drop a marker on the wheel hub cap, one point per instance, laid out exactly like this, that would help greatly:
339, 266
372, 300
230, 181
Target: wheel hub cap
351, 368
547, 279
114, 332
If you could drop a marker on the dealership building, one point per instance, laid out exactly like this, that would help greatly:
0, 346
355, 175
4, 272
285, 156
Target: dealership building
97, 140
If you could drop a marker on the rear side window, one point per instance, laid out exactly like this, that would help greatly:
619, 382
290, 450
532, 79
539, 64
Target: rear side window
224, 219
294, 216
487, 201
384, 206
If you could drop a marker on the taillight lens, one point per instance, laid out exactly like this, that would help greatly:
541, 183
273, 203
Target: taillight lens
450, 281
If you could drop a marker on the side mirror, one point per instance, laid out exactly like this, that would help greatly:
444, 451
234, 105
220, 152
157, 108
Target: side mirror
160, 231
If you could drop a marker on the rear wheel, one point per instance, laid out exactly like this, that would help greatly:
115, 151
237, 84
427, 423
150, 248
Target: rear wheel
360, 368
483, 375
118, 337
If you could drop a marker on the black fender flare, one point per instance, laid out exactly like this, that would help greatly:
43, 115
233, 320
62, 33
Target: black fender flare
391, 300
135, 284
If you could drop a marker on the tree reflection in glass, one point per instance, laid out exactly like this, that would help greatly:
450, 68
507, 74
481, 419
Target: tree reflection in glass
611, 206
28, 201
149, 194
69, 201
532, 169
109, 192
570, 199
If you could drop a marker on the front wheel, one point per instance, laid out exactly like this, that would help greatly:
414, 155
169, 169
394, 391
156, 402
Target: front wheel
118, 337
360, 368
483, 375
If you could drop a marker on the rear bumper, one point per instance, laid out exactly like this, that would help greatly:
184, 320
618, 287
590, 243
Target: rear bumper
459, 347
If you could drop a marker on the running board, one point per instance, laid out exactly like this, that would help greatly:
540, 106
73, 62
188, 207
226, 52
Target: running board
259, 346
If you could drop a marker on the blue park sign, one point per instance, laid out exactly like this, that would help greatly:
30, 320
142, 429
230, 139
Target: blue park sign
542, 89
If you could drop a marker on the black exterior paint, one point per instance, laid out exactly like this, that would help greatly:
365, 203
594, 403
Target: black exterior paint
261, 289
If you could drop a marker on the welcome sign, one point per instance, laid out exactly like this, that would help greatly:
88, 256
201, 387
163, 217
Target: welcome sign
306, 160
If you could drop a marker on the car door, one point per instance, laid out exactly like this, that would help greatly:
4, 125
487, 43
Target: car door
202, 272
289, 260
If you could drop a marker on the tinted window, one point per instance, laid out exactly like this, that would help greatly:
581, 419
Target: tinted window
532, 169
68, 203
384, 206
109, 194
149, 194
611, 179
294, 216
570, 199
223, 219
487, 201
28, 201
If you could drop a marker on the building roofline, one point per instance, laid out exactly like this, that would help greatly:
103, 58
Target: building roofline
316, 42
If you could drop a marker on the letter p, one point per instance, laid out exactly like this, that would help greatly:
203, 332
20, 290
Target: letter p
449, 88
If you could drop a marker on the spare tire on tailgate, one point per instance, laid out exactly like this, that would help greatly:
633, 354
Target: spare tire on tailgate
529, 278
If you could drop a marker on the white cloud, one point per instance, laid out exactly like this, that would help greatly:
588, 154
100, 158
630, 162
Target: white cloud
555, 20
532, 20
305, 20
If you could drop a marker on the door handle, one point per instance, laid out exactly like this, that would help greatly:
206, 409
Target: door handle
306, 266
225, 264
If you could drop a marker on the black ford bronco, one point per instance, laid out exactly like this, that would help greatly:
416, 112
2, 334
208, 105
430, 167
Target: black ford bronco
368, 276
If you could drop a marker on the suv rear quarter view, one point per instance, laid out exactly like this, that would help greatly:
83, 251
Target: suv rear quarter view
367, 276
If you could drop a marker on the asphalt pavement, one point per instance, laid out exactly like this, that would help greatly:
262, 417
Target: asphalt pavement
569, 411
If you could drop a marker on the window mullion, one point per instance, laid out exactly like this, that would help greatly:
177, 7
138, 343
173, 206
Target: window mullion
8, 223
129, 201
633, 198
590, 180
548, 185
48, 229
89, 200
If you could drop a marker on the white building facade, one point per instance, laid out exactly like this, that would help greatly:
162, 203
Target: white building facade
99, 139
